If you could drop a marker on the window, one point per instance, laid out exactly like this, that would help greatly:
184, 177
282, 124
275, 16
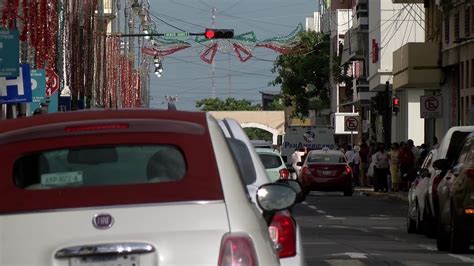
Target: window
467, 74
99, 166
472, 71
326, 158
462, 113
461, 83
467, 22
270, 161
456, 26
446, 28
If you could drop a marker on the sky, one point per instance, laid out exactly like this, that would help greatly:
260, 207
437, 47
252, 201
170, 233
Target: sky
186, 76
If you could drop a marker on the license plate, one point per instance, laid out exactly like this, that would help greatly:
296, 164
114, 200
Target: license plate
327, 172
105, 261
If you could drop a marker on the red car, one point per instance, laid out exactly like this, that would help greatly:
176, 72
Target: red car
326, 170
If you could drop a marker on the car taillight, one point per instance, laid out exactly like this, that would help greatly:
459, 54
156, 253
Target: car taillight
94, 127
305, 170
237, 250
284, 173
470, 173
283, 233
348, 170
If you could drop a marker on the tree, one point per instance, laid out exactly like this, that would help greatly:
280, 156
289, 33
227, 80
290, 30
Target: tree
229, 104
304, 73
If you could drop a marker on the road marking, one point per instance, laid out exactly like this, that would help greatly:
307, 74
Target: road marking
463, 258
304, 202
329, 216
352, 255
384, 228
320, 211
365, 230
319, 243
313, 207
339, 226
379, 218
428, 247
345, 262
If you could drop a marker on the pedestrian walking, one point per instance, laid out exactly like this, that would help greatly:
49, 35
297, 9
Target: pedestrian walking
395, 166
407, 165
364, 163
381, 168
356, 166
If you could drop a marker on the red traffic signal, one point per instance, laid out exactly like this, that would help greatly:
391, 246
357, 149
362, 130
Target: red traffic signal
219, 33
395, 105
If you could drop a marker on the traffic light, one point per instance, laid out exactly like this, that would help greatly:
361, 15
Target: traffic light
219, 33
395, 105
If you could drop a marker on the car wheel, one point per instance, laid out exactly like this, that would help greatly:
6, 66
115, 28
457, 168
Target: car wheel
442, 238
419, 223
411, 224
459, 238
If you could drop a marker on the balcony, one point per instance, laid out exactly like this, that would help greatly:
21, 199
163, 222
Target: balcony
355, 45
416, 65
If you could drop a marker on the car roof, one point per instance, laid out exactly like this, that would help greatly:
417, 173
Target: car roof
267, 150
332, 152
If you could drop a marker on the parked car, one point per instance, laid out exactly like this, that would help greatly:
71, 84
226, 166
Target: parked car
126, 186
326, 170
274, 164
284, 229
417, 218
447, 149
456, 200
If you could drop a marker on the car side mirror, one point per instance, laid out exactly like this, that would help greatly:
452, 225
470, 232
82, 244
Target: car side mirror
296, 185
441, 164
299, 163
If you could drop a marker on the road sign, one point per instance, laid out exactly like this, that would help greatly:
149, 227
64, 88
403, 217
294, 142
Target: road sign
16, 89
52, 82
351, 123
9, 53
38, 88
175, 34
431, 106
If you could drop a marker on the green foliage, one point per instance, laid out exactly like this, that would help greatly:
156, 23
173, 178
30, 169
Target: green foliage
229, 104
258, 134
304, 73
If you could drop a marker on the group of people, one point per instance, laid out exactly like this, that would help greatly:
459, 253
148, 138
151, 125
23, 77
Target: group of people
391, 170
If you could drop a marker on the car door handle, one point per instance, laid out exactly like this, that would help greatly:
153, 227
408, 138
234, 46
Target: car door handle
105, 249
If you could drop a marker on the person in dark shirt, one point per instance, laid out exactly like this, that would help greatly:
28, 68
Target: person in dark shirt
364, 163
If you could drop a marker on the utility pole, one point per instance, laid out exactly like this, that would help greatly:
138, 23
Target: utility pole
213, 66
387, 115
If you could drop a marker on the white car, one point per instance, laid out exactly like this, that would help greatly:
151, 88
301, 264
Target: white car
288, 239
129, 187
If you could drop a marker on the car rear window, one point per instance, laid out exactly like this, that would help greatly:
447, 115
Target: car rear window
326, 158
455, 144
99, 166
270, 161
107, 169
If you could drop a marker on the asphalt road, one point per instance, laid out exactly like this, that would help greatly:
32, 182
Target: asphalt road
365, 230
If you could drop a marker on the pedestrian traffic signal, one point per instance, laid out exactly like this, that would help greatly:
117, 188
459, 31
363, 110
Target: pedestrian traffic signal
219, 33
395, 105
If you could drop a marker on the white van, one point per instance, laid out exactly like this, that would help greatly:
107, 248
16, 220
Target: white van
311, 137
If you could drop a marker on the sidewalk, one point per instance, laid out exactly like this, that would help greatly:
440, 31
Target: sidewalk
369, 192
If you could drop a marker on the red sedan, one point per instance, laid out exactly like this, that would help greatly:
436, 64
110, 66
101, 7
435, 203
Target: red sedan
326, 170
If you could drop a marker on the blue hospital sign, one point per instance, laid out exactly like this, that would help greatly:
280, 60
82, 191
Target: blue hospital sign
16, 89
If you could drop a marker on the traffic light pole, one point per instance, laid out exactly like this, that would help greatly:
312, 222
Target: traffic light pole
387, 116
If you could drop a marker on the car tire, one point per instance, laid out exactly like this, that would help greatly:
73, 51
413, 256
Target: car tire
442, 238
411, 224
459, 237
419, 225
